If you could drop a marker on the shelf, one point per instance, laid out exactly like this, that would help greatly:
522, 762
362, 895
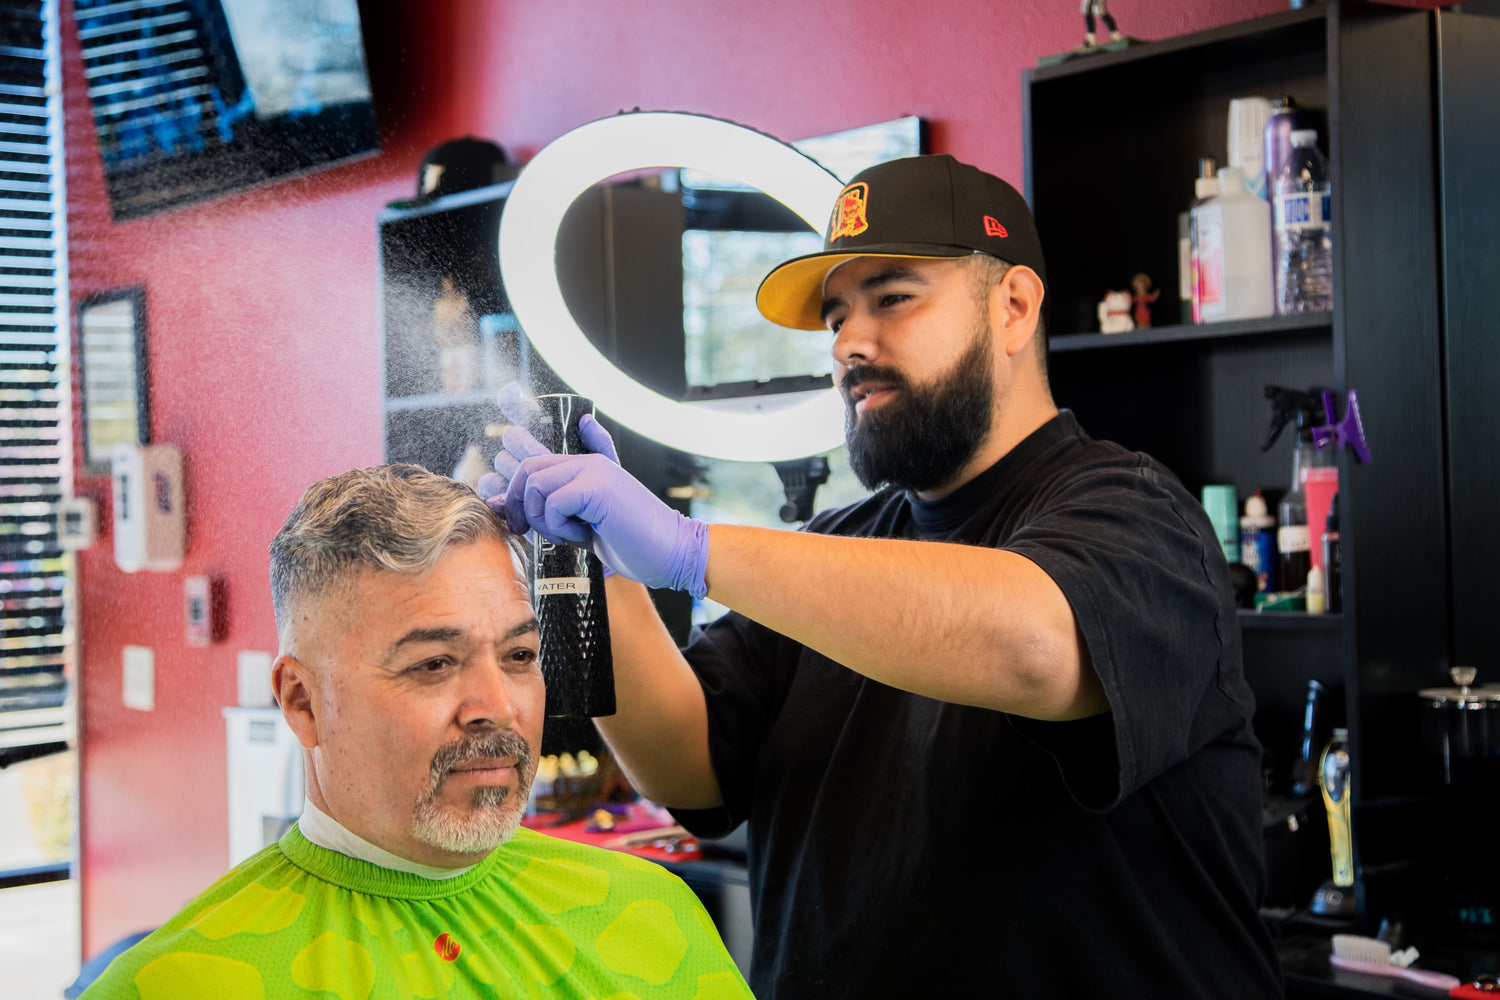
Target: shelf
1289, 621
1303, 324
1230, 35
415, 208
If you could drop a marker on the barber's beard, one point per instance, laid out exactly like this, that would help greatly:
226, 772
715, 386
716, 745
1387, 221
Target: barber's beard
492, 815
923, 437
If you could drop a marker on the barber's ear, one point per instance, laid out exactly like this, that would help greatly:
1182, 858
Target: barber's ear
1018, 298
293, 685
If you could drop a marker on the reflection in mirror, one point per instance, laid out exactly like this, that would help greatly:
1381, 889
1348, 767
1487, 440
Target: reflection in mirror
733, 236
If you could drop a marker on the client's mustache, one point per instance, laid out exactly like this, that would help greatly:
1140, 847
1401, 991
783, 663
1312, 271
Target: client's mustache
499, 743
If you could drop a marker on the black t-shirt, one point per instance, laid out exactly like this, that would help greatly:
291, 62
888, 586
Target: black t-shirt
905, 847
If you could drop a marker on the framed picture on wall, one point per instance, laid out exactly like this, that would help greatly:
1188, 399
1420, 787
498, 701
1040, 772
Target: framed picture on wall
112, 374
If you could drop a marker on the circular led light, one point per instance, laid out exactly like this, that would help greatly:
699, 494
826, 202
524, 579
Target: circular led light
775, 428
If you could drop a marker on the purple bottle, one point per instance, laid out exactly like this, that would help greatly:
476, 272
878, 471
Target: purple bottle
1286, 118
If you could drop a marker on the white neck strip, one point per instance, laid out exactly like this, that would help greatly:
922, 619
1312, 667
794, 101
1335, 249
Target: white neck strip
325, 831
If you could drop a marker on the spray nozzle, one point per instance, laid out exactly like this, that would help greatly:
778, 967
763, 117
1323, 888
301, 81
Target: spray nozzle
1289, 405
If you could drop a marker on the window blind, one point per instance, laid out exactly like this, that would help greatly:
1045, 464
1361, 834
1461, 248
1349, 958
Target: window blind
34, 454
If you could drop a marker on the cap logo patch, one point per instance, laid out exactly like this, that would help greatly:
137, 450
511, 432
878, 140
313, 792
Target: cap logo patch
849, 212
992, 227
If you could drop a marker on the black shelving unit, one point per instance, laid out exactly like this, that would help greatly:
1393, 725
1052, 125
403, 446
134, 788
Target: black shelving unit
1111, 146
1268, 327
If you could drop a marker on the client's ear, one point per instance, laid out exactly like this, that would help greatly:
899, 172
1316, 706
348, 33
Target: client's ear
294, 687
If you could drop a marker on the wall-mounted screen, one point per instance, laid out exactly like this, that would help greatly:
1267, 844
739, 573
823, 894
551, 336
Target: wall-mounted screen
195, 98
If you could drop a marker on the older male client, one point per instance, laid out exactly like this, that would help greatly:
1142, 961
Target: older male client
409, 672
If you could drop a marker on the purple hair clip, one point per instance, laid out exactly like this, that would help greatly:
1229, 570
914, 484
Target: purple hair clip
1348, 432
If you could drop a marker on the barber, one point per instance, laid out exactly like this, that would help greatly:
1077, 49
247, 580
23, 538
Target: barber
989, 728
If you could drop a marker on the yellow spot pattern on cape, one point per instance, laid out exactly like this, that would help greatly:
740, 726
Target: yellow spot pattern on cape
719, 986
253, 910
557, 885
185, 975
335, 965
644, 941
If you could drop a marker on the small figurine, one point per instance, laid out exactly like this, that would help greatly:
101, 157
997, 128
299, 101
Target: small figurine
1093, 10
1097, 8
1143, 297
1114, 313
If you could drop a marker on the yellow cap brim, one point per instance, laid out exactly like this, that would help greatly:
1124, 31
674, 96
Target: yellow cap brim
792, 294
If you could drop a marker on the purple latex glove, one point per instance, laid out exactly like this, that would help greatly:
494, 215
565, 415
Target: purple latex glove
589, 500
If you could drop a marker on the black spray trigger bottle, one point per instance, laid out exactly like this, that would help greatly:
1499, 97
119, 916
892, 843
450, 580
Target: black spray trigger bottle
1294, 535
567, 589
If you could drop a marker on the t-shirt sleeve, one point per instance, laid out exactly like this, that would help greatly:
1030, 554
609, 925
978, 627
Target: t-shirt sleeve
743, 668
1149, 587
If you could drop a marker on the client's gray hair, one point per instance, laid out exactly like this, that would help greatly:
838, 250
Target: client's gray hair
395, 518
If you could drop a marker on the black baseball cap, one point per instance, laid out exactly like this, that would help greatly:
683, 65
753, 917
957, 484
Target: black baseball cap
462, 164
919, 206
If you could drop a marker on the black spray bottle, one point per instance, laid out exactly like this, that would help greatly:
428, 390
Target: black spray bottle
567, 588
1294, 536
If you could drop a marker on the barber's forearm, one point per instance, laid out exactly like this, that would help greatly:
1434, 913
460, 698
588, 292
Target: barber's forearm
659, 732
958, 623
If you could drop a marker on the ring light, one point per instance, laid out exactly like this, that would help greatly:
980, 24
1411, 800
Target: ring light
763, 429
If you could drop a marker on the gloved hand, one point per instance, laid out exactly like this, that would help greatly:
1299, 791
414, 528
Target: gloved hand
589, 500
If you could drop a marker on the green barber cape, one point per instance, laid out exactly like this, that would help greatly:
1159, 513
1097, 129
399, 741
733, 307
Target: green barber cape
539, 917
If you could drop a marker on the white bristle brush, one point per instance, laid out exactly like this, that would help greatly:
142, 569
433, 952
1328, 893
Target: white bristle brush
1364, 954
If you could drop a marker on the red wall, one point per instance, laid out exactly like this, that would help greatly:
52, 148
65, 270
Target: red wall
264, 352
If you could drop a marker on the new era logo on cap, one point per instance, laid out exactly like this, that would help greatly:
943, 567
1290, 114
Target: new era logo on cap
919, 206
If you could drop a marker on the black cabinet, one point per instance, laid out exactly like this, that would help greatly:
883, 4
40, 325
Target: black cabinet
1408, 100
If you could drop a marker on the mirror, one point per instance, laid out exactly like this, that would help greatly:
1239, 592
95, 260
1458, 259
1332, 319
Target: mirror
112, 374
682, 251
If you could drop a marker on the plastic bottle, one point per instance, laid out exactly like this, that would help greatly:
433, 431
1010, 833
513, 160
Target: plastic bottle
1219, 502
1304, 233
1204, 187
1185, 267
1333, 779
1316, 598
1293, 539
1247, 130
567, 587
1303, 775
1333, 561
1234, 251
1286, 118
1258, 543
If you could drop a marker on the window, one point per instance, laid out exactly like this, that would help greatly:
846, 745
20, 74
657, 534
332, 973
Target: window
35, 454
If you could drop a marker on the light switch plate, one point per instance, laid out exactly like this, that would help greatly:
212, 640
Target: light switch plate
140, 678
254, 678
